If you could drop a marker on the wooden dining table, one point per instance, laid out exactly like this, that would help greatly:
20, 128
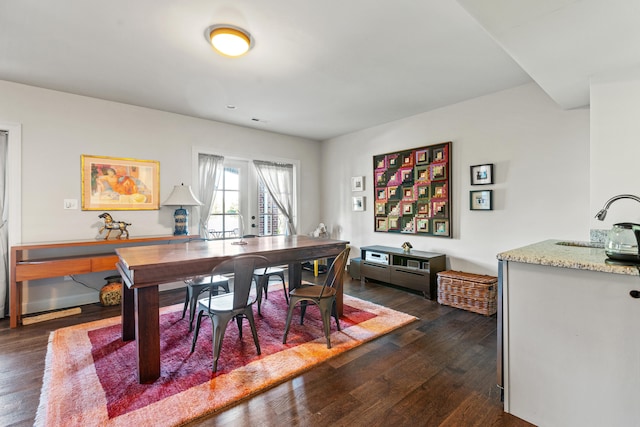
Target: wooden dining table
144, 268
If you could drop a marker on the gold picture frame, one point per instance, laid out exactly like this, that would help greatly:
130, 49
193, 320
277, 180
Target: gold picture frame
114, 183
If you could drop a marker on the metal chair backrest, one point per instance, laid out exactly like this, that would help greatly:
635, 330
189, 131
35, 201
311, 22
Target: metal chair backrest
242, 268
336, 272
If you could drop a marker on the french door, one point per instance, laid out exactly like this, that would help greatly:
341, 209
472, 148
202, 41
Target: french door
234, 212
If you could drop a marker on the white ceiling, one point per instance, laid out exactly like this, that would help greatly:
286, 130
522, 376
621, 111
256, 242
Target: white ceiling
318, 69
562, 44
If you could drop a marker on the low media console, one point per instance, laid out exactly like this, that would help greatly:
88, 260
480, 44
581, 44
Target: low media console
415, 270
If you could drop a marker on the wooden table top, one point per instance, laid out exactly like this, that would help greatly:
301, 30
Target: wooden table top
155, 264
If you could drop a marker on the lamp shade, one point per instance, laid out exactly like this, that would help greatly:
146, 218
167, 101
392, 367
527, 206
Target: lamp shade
182, 196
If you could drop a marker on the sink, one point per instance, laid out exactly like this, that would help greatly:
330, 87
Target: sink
582, 244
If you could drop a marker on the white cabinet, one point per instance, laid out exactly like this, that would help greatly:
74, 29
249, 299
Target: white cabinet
571, 342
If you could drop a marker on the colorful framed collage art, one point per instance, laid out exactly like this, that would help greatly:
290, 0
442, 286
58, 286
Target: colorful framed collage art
413, 191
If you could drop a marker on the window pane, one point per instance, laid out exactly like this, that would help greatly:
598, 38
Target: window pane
224, 221
271, 221
215, 223
231, 179
232, 224
231, 202
217, 203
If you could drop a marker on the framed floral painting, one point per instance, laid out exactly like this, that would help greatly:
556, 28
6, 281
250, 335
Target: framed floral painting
113, 183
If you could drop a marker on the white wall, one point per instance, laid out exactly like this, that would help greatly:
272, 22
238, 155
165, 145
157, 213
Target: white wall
58, 127
615, 145
541, 158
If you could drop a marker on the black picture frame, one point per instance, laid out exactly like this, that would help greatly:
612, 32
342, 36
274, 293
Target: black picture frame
481, 200
482, 174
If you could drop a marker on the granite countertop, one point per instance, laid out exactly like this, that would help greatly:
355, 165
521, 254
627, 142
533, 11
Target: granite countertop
577, 255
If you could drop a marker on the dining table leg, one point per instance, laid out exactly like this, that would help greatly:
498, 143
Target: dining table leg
128, 313
147, 320
295, 275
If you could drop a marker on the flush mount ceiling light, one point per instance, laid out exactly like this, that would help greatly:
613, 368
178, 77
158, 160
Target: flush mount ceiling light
229, 40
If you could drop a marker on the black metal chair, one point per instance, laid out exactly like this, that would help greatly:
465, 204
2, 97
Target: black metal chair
264, 277
198, 285
223, 308
324, 296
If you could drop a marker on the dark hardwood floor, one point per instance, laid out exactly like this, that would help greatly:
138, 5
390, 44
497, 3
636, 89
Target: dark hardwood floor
437, 371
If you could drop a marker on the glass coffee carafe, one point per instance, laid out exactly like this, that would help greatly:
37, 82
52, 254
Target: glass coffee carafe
622, 242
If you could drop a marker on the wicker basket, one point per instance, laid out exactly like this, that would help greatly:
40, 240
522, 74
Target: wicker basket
471, 292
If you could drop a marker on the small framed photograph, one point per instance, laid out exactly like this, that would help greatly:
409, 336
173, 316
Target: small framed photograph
357, 183
482, 174
481, 200
358, 203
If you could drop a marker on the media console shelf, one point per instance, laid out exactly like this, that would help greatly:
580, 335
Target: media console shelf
46, 260
415, 270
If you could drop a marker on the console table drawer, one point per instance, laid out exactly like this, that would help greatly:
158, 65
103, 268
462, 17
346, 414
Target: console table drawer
412, 279
42, 269
375, 271
104, 263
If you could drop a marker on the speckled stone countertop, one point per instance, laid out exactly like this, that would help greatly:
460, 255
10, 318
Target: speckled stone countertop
578, 255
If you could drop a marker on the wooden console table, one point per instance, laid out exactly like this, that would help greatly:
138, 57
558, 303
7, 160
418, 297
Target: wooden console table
43, 260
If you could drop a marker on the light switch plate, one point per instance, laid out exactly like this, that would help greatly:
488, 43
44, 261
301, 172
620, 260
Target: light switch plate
71, 203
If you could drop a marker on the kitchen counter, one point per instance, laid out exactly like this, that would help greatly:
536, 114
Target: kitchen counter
567, 336
567, 254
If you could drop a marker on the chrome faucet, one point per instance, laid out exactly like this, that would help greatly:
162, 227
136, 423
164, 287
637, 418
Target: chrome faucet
603, 212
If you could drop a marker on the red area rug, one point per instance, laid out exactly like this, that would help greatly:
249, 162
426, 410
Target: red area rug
90, 374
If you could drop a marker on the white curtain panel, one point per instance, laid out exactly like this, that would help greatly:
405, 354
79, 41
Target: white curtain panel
4, 212
210, 168
278, 178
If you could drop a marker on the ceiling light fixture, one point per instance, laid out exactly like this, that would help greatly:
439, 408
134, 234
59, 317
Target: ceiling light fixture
229, 40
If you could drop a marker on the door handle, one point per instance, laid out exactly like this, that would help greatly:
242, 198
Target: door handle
634, 294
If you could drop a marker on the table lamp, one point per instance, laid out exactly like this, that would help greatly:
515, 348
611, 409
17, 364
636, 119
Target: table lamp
181, 196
